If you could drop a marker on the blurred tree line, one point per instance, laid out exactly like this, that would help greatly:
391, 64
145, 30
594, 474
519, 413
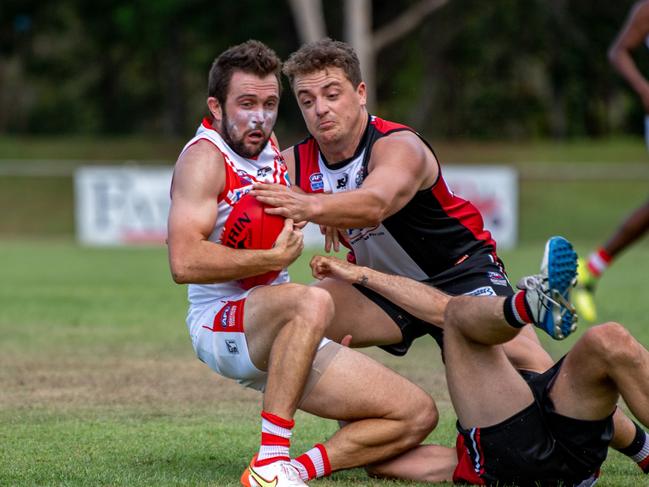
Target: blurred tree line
474, 68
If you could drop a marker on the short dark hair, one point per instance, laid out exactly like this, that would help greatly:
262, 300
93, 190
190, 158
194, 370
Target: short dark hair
322, 54
252, 57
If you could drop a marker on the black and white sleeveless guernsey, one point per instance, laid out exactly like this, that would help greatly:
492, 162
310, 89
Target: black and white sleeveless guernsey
434, 231
437, 237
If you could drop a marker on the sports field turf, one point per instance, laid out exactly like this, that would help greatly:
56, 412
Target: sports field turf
98, 382
99, 385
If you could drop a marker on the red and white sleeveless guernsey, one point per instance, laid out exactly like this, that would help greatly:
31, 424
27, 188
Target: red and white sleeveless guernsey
434, 231
240, 174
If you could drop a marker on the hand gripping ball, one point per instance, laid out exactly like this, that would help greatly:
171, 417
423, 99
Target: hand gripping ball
249, 227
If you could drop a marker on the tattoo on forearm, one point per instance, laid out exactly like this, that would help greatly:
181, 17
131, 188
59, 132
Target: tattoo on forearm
363, 280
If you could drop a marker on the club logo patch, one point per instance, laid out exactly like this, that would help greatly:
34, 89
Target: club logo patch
497, 278
232, 347
341, 183
358, 180
317, 182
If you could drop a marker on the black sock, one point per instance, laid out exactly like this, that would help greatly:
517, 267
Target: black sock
638, 450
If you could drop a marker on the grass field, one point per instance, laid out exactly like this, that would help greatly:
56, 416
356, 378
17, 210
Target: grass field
30, 149
99, 385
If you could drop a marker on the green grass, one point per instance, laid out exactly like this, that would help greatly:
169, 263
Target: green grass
38, 206
100, 386
580, 210
123, 148
138, 148
557, 152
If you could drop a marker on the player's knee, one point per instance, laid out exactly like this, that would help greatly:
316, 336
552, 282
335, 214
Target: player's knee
613, 343
316, 307
452, 318
421, 420
427, 420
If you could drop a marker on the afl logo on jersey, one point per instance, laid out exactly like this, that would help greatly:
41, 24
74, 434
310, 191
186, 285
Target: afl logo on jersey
317, 182
236, 194
244, 176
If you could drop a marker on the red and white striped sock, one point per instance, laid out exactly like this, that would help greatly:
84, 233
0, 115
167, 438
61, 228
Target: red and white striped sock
598, 261
275, 439
313, 464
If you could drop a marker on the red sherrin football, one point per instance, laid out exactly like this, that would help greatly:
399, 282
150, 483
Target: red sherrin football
249, 227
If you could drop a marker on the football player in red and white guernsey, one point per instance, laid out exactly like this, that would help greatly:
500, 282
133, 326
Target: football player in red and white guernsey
271, 337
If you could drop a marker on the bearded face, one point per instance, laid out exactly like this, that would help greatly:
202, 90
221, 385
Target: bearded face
247, 132
249, 113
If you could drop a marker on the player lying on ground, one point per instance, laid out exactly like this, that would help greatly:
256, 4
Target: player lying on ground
549, 428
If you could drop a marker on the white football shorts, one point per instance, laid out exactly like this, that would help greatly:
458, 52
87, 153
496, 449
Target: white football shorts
219, 340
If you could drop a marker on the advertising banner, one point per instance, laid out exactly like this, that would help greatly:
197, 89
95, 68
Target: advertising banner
129, 205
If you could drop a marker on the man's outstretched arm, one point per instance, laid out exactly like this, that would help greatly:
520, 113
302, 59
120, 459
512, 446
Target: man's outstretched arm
400, 166
423, 301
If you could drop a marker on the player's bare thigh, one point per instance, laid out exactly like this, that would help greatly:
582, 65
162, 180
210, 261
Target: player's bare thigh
269, 308
583, 389
480, 374
525, 352
369, 325
359, 317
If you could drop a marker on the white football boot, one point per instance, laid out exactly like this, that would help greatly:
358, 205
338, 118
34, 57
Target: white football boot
548, 293
276, 474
